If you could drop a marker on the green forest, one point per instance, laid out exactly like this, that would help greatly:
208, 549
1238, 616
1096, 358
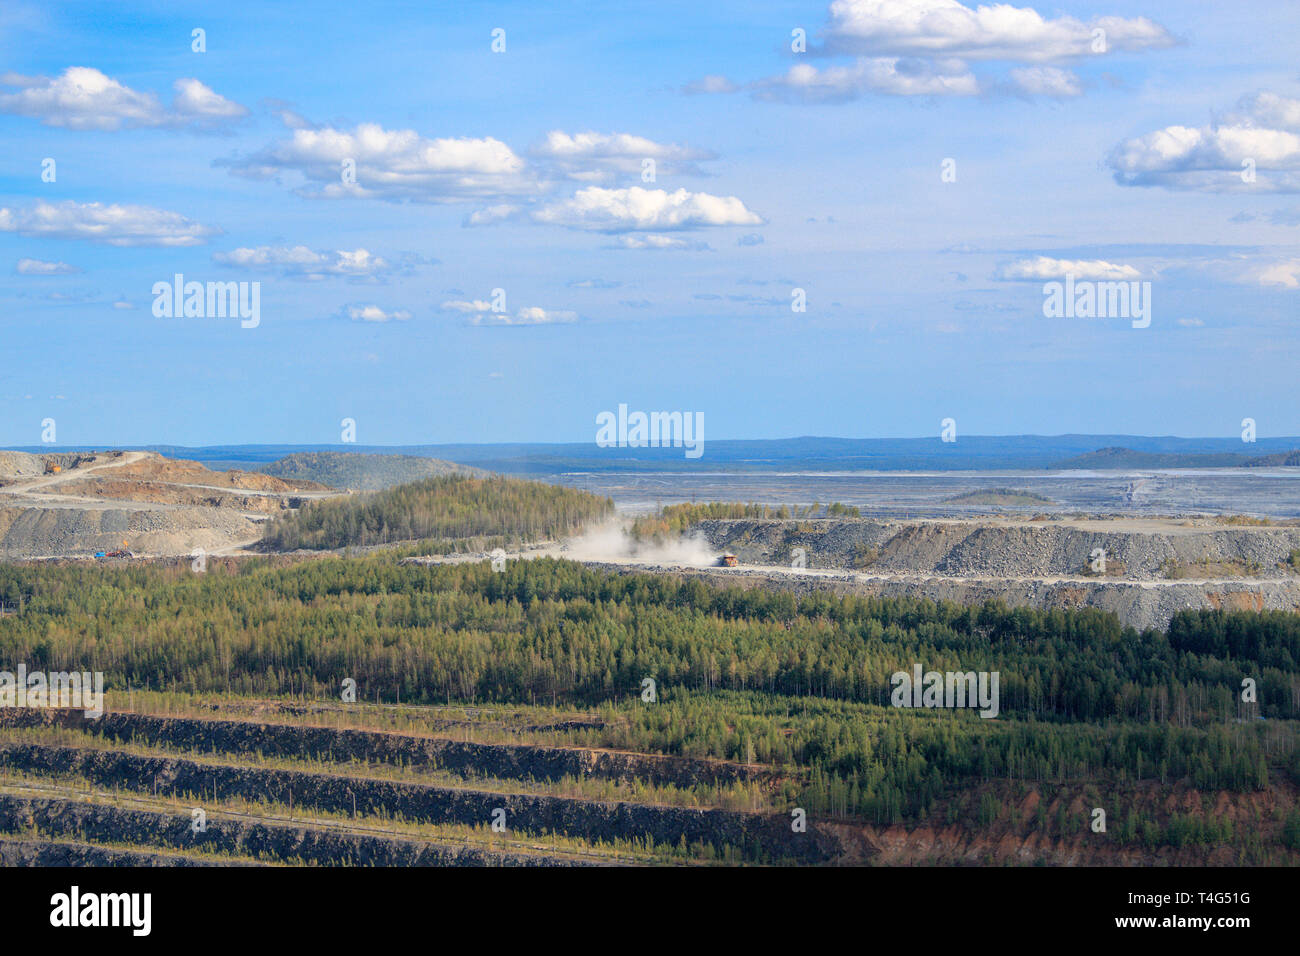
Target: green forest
446, 508
748, 675
673, 520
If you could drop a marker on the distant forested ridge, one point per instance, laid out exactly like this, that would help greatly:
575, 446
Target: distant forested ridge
1287, 459
450, 507
362, 472
1111, 458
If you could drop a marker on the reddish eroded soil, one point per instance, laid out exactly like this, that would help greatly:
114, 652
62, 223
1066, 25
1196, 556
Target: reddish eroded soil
1008, 842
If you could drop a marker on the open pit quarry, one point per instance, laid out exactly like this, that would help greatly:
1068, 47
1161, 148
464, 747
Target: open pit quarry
79, 504
1152, 567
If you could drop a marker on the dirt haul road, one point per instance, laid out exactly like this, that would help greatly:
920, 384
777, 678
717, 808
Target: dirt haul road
72, 474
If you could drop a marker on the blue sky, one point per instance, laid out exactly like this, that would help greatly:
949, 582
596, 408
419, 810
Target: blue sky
522, 170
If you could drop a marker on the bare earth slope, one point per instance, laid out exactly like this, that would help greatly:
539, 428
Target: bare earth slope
137, 501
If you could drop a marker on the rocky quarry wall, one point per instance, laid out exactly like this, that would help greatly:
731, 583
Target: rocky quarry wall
1039, 565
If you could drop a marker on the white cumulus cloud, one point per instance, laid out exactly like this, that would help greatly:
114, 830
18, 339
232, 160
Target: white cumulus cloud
306, 263
392, 165
937, 28
38, 267
374, 313
924, 48
625, 210
1269, 110
1042, 268
195, 101
598, 157
481, 313
1285, 274
469, 306
502, 212
1046, 81
114, 225
654, 241
1254, 149
532, 315
889, 75
712, 83
83, 98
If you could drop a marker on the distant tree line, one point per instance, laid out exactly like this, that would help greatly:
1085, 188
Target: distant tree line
559, 630
446, 507
673, 520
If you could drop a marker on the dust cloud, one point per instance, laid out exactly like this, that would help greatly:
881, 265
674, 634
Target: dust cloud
612, 543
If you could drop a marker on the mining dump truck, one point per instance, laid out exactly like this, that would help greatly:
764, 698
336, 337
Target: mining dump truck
727, 561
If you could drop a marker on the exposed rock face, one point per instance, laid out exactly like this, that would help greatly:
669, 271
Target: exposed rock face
1044, 565
1139, 604
36, 532
1134, 604
16, 465
985, 549
19, 852
66, 819
505, 761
